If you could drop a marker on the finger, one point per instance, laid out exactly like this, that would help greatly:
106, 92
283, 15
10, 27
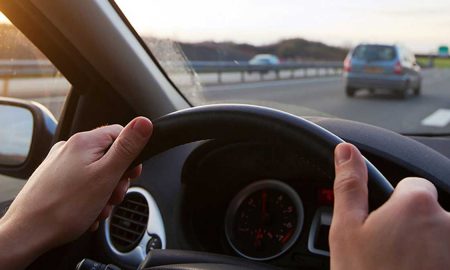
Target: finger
130, 142
350, 185
105, 213
119, 192
133, 173
94, 226
103, 137
94, 142
417, 194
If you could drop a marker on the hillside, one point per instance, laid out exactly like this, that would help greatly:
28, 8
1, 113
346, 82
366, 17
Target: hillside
15, 46
289, 49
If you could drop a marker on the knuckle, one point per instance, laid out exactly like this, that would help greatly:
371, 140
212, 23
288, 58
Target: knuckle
57, 146
419, 195
126, 148
347, 181
78, 139
420, 200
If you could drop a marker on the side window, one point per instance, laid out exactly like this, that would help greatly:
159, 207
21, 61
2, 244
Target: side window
26, 73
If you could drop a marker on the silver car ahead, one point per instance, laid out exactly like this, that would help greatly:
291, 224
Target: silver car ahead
375, 66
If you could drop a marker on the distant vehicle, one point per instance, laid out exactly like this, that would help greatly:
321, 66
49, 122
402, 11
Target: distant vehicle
375, 66
264, 59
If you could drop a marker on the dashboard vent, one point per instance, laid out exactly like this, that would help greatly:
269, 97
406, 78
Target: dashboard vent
129, 222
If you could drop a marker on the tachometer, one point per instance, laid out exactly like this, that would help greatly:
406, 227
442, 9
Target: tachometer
264, 220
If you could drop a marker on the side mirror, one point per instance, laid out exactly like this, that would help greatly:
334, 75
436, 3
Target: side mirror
26, 133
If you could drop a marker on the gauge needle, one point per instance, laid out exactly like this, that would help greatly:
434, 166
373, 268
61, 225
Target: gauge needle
287, 236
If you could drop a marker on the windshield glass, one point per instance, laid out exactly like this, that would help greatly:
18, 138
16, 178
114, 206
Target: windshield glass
374, 53
384, 63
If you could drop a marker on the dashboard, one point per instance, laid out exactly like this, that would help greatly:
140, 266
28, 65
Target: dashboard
258, 201
267, 202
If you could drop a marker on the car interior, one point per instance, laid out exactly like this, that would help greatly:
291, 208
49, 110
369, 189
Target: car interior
208, 168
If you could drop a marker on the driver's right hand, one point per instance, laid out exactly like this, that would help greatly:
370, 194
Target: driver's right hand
410, 231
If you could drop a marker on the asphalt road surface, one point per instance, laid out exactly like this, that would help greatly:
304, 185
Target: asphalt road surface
427, 113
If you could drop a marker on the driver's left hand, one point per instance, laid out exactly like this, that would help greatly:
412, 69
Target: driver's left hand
74, 188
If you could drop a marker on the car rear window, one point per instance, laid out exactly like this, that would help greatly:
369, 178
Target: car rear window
374, 53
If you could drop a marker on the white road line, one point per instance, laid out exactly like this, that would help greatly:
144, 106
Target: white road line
440, 118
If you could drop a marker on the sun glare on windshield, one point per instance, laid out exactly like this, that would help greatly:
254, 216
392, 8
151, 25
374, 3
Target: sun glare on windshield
380, 62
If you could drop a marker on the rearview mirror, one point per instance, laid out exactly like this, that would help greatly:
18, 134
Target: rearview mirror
26, 133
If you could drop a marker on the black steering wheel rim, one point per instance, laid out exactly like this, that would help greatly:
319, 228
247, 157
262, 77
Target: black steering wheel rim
247, 123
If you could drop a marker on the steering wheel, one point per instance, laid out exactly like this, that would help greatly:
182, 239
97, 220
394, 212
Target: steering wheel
250, 123
244, 123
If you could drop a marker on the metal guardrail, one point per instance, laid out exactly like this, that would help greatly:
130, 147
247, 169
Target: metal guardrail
330, 68
13, 69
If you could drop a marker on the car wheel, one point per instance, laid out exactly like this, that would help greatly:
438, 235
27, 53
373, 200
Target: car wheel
418, 90
350, 91
402, 93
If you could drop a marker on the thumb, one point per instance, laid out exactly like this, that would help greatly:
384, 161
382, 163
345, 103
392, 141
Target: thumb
130, 142
350, 185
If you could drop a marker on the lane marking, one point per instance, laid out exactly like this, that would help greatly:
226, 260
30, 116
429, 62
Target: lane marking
440, 118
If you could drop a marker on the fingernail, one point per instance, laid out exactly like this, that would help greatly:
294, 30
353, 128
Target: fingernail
143, 126
343, 153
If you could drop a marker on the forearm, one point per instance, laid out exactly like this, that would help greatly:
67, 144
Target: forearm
20, 243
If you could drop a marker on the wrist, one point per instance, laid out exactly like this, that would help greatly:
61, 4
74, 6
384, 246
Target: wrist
20, 243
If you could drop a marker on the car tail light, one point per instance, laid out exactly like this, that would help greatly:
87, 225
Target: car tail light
398, 69
348, 64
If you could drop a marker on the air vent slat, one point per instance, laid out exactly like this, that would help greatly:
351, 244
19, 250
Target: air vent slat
131, 211
131, 220
124, 239
125, 229
138, 203
128, 222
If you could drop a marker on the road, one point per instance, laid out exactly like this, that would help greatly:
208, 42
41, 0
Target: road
308, 97
325, 96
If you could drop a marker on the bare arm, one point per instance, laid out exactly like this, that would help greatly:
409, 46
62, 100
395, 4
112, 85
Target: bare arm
74, 188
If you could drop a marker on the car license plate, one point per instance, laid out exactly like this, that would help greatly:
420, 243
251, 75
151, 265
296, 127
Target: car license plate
373, 70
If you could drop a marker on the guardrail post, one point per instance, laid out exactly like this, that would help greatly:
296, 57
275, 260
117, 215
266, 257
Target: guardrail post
5, 86
219, 76
277, 74
261, 76
242, 76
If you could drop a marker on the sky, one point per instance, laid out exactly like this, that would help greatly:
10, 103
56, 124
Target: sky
418, 24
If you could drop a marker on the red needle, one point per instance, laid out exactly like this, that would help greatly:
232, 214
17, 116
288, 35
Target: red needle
287, 236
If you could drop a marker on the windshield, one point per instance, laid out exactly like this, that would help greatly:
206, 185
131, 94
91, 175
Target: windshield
374, 53
383, 63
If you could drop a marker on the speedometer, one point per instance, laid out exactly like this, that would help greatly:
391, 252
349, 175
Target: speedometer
264, 220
